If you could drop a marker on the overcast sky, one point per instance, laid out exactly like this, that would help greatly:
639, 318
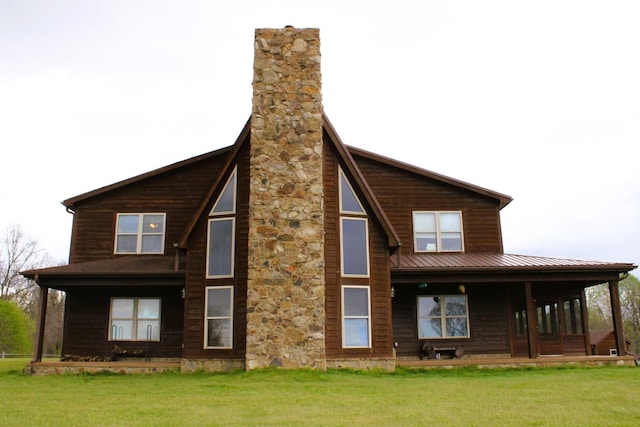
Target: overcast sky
539, 100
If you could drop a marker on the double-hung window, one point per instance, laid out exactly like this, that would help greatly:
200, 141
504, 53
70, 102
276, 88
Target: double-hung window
135, 319
354, 232
221, 232
356, 322
443, 316
140, 233
218, 317
438, 232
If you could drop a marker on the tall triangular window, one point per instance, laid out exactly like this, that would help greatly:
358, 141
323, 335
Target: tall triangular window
354, 232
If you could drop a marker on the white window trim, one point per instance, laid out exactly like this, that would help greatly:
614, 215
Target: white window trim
134, 319
368, 317
139, 233
340, 177
444, 317
438, 232
206, 319
233, 247
342, 261
234, 175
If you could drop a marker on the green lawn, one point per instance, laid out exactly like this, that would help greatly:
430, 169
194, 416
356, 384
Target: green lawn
546, 396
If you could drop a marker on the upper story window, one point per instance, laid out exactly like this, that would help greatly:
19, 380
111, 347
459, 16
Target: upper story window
438, 232
443, 316
221, 232
354, 232
140, 233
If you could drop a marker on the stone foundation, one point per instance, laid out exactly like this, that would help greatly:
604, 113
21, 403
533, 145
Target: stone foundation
211, 365
362, 364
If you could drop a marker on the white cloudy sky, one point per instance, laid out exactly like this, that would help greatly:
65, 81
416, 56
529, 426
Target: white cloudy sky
536, 99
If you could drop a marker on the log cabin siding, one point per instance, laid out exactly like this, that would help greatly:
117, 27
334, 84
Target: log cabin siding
196, 281
487, 310
86, 326
378, 282
176, 192
402, 192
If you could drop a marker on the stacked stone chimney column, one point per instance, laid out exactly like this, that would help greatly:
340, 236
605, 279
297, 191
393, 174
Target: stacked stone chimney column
286, 278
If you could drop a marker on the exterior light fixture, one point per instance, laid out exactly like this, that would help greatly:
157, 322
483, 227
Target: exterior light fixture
393, 292
422, 286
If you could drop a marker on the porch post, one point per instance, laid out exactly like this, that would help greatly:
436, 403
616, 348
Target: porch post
616, 314
584, 314
532, 325
42, 315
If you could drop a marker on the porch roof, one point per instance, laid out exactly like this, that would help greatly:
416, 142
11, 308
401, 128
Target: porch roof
146, 265
480, 267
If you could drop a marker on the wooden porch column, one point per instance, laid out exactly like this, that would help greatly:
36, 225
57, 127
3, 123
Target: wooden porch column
584, 314
42, 315
532, 325
616, 314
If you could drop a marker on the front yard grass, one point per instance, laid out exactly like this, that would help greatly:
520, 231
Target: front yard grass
472, 397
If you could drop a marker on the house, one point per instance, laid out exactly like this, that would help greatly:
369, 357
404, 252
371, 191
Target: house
290, 249
604, 343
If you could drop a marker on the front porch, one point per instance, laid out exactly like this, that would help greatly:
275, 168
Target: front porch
500, 361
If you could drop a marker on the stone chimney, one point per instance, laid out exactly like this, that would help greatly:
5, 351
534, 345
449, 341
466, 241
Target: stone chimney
286, 278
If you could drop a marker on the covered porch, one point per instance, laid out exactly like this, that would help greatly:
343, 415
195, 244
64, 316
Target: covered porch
499, 309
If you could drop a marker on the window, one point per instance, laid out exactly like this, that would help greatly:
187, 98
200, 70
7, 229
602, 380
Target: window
437, 231
356, 327
572, 317
219, 317
443, 316
135, 319
548, 318
354, 232
221, 232
140, 233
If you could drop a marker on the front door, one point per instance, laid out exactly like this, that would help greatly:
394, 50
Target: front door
549, 327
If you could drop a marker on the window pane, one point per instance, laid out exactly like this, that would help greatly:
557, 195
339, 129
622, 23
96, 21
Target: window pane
121, 329
426, 242
450, 221
430, 328
349, 202
225, 201
219, 333
356, 302
220, 248
424, 222
149, 308
148, 330
457, 327
451, 241
153, 224
151, 244
126, 244
428, 306
122, 308
356, 332
456, 306
354, 247
219, 302
128, 224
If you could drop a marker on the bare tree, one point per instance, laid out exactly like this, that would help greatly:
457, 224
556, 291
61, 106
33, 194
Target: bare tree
18, 253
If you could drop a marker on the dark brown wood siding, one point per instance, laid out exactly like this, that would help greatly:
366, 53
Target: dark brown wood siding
378, 282
177, 193
401, 192
488, 324
196, 282
86, 327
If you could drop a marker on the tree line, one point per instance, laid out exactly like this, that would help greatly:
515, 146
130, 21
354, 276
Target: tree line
19, 296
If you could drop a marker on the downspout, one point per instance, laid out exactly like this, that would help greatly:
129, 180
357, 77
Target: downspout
42, 315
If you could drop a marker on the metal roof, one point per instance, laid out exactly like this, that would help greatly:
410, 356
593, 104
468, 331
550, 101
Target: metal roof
496, 261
